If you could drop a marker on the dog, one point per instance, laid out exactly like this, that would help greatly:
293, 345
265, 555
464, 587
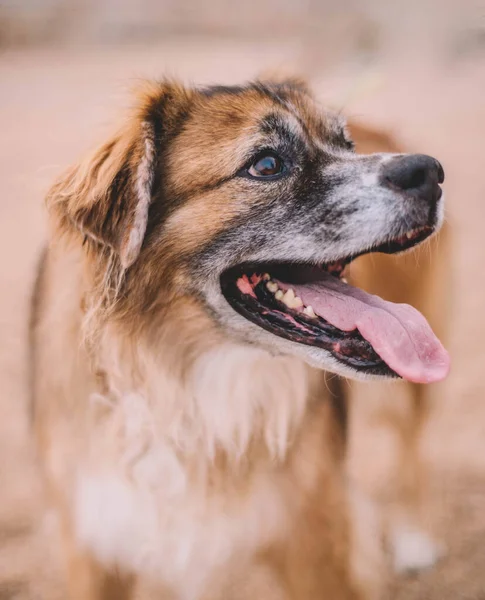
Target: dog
190, 298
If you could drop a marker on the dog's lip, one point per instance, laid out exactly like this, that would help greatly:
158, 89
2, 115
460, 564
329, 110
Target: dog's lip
336, 266
401, 243
371, 338
259, 306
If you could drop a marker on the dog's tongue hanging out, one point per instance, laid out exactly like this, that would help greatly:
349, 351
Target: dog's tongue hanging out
399, 334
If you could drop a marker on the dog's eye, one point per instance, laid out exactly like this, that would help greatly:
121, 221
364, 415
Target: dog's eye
268, 165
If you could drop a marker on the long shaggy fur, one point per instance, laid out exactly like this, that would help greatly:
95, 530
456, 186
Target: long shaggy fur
180, 443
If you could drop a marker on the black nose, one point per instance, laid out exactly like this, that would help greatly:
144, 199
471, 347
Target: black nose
415, 173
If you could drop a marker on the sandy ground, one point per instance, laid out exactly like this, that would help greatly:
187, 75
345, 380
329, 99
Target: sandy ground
54, 105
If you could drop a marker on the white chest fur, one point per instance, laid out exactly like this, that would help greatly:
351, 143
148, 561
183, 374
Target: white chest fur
182, 541
149, 509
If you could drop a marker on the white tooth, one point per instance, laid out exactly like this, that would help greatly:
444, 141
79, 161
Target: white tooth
289, 298
308, 310
279, 295
297, 302
344, 280
272, 286
266, 277
409, 234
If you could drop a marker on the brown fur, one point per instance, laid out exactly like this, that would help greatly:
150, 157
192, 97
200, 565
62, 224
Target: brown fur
117, 333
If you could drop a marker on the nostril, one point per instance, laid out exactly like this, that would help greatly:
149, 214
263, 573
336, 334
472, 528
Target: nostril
414, 178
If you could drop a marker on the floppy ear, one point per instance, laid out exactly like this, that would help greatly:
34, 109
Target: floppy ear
107, 197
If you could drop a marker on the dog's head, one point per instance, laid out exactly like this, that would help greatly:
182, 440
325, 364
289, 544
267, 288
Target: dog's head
249, 202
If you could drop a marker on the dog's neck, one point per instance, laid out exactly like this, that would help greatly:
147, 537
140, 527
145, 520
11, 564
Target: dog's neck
230, 397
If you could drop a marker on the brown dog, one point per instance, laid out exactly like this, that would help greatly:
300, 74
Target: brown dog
193, 279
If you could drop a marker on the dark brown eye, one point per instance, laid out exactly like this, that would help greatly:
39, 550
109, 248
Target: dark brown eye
266, 166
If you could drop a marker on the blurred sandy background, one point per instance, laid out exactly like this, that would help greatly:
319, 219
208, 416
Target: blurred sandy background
416, 68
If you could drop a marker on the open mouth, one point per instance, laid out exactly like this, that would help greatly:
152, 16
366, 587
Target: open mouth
315, 306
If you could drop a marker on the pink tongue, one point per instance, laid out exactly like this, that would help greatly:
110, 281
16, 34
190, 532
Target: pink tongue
399, 334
